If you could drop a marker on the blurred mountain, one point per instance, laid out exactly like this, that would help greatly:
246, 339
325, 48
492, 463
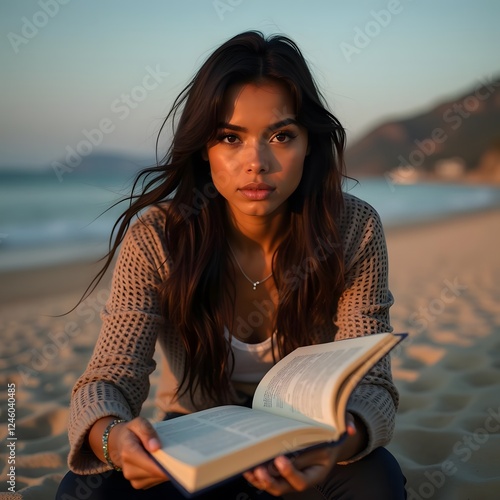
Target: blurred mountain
456, 140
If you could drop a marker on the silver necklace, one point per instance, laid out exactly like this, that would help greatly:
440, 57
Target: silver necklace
253, 283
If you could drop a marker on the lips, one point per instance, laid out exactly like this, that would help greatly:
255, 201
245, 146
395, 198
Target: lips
257, 186
256, 191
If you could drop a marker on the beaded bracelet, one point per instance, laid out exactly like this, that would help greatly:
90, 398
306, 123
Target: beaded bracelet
105, 437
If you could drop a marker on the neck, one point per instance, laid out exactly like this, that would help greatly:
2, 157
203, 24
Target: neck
252, 233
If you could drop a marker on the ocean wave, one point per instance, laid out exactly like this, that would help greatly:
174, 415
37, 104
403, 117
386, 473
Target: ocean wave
48, 224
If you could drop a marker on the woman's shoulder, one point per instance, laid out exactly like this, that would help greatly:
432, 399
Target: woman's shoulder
358, 214
359, 224
152, 219
146, 235
357, 211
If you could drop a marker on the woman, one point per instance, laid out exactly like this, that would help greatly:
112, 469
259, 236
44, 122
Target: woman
248, 250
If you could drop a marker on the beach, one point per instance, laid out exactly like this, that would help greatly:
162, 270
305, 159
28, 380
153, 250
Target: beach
445, 276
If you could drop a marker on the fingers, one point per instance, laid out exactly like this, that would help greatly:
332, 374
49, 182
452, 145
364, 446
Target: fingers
137, 439
351, 424
325, 455
146, 433
288, 479
262, 480
286, 475
299, 480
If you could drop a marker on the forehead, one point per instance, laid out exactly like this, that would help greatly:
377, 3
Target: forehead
267, 100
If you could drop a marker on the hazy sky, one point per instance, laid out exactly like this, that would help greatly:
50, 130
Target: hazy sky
69, 67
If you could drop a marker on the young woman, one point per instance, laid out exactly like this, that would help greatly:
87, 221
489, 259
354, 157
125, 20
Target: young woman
248, 249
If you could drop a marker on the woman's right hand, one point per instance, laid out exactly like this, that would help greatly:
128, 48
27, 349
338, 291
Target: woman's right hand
127, 445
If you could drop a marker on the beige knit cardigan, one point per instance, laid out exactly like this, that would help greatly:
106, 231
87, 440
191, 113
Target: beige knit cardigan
116, 381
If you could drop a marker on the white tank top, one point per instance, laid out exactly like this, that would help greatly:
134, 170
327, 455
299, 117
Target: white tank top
251, 361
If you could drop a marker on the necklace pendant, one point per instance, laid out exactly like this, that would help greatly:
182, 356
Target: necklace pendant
253, 283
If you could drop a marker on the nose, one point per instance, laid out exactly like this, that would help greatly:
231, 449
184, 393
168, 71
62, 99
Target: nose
256, 158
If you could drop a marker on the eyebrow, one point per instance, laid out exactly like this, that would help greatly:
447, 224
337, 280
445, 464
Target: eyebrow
273, 126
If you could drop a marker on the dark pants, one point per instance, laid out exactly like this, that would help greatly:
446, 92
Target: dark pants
375, 477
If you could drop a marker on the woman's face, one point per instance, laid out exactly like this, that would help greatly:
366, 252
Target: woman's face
258, 156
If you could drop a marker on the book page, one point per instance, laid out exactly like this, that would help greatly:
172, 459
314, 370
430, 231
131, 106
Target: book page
303, 385
202, 436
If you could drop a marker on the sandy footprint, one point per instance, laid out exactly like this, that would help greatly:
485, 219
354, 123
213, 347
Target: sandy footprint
459, 361
482, 378
427, 382
414, 402
52, 443
50, 420
452, 402
435, 420
420, 444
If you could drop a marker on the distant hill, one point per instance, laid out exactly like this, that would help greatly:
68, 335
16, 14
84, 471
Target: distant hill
456, 140
450, 141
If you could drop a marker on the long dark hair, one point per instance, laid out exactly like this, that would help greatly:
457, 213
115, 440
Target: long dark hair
196, 299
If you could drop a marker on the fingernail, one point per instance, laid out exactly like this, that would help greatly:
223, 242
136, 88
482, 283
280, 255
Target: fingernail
282, 462
154, 444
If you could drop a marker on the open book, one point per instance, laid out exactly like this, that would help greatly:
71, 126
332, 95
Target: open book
300, 403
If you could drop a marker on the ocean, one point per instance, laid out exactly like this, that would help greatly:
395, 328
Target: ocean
45, 222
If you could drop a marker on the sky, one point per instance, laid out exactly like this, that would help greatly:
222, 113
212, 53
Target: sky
80, 73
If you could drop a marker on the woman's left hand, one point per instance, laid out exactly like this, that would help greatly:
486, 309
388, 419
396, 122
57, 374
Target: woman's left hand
297, 474
307, 469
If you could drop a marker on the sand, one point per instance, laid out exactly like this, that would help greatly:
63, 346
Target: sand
445, 276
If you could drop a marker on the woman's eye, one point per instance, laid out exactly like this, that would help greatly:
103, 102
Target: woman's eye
282, 137
229, 139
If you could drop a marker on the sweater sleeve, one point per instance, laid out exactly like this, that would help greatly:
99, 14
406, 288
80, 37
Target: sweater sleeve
116, 380
363, 310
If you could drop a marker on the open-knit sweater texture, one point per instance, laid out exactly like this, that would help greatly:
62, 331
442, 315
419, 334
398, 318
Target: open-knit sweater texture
116, 380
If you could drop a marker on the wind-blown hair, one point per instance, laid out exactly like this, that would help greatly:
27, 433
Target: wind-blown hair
198, 296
